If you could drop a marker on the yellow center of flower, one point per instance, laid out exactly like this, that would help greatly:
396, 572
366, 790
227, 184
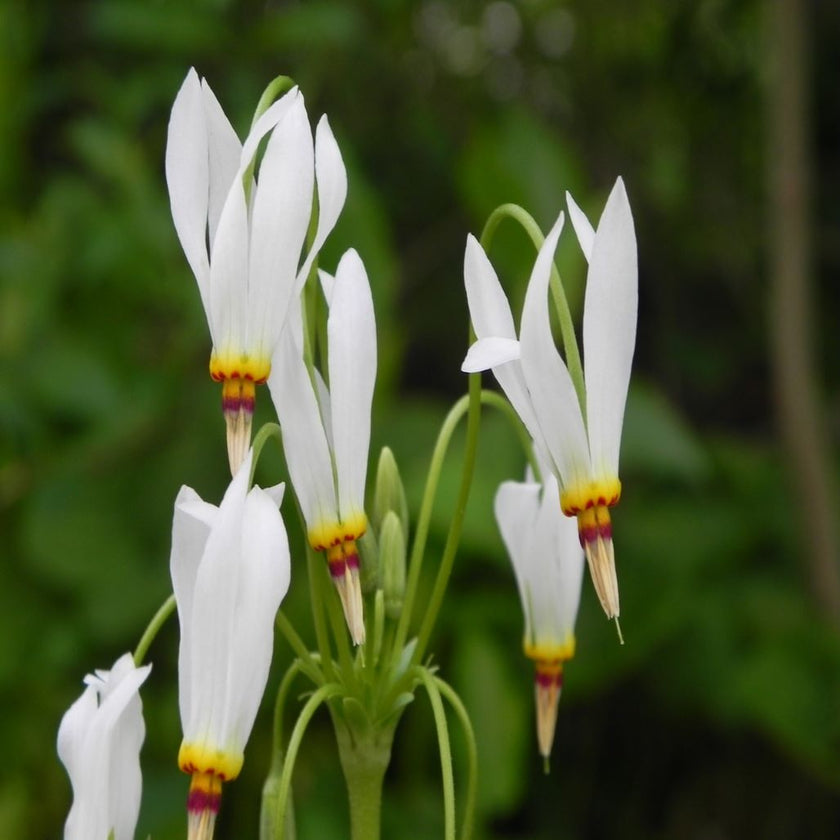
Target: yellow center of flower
557, 652
326, 535
227, 365
211, 761
581, 497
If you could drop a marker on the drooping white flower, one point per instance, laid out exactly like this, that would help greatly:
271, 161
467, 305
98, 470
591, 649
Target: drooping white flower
547, 559
230, 571
584, 452
326, 431
99, 742
244, 235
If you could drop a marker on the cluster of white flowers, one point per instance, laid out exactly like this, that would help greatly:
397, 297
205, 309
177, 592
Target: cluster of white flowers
252, 221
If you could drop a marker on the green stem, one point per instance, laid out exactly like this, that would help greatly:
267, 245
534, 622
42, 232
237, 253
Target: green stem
453, 538
564, 315
271, 787
364, 759
267, 430
298, 646
325, 692
472, 754
335, 615
166, 609
275, 89
419, 546
316, 601
445, 752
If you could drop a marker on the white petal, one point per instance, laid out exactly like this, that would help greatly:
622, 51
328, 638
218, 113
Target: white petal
214, 620
331, 177
304, 441
559, 574
490, 352
515, 507
276, 493
263, 579
189, 538
282, 207
489, 308
327, 284
549, 384
351, 336
583, 229
229, 274
272, 115
188, 178
609, 329
224, 150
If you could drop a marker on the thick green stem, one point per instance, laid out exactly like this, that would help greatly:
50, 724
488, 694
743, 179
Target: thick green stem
564, 315
364, 759
166, 609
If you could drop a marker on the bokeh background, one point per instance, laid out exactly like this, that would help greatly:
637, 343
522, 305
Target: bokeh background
720, 717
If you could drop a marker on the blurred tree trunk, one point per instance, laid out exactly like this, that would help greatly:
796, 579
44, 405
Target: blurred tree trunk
791, 328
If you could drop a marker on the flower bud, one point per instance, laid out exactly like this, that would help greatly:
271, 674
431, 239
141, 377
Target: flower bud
392, 563
389, 493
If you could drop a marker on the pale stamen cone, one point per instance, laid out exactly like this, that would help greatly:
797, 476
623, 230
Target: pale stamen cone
203, 805
548, 684
344, 568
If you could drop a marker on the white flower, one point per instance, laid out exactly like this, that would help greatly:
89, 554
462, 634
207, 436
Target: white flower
99, 742
584, 452
326, 433
230, 571
547, 558
243, 236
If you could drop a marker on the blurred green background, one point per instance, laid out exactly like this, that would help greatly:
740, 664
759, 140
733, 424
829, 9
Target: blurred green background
720, 717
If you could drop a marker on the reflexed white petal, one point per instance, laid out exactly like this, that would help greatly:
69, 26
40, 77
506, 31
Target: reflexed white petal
276, 493
304, 441
327, 284
71, 731
282, 207
516, 507
214, 620
489, 308
490, 352
351, 334
272, 115
262, 581
560, 568
223, 149
609, 329
583, 229
189, 538
229, 273
549, 384
187, 177
331, 177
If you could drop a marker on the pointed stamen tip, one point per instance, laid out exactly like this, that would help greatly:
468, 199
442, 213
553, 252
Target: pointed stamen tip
618, 629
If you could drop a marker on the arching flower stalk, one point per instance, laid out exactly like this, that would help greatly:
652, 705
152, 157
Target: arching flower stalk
548, 562
326, 431
244, 236
582, 442
99, 742
230, 571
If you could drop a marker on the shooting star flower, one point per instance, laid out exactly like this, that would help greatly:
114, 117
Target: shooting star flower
326, 432
230, 571
243, 236
548, 562
99, 742
582, 442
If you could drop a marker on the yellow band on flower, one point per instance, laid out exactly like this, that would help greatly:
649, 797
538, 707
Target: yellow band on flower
200, 758
229, 365
579, 497
550, 651
328, 534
